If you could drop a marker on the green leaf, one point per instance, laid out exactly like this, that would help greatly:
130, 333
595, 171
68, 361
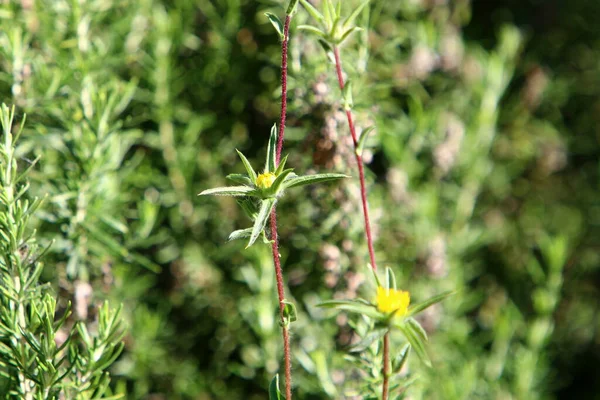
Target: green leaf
276, 22
250, 206
249, 169
246, 233
327, 13
292, 7
415, 342
417, 329
368, 340
363, 140
347, 96
390, 279
353, 306
274, 393
400, 359
227, 191
289, 313
271, 150
347, 34
313, 11
350, 20
240, 234
274, 189
313, 30
240, 178
310, 179
417, 308
281, 165
261, 219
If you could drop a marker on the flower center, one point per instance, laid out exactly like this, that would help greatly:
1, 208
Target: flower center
264, 181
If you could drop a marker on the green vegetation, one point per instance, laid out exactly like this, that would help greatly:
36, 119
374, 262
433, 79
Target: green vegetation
477, 126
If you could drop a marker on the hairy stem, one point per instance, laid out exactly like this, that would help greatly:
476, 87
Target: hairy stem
284, 51
274, 238
386, 367
359, 162
281, 294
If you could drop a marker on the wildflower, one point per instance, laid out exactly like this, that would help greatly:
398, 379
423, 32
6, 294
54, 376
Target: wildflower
264, 181
391, 300
258, 193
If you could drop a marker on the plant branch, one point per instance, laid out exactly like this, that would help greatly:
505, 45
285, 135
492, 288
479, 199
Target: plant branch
281, 294
274, 237
284, 51
386, 366
359, 162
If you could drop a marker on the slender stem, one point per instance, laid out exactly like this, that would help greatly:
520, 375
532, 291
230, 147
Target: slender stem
284, 51
359, 162
386, 366
274, 238
281, 294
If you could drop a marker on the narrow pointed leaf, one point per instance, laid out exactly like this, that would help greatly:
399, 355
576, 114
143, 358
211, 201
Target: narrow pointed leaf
350, 20
248, 166
390, 278
271, 150
276, 22
240, 178
313, 11
250, 206
347, 34
240, 234
400, 359
292, 7
368, 340
417, 308
363, 140
347, 100
326, 7
352, 306
281, 165
415, 343
274, 189
261, 219
274, 393
310, 179
417, 329
227, 191
313, 30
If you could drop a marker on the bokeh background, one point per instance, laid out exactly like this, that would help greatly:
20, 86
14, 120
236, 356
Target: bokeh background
483, 177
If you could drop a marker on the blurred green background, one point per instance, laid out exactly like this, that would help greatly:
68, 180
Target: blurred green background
483, 176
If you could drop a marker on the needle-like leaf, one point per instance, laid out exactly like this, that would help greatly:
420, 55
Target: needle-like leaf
261, 219
227, 191
417, 308
248, 166
310, 179
271, 150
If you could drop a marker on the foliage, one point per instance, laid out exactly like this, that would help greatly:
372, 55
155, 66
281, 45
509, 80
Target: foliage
482, 175
43, 353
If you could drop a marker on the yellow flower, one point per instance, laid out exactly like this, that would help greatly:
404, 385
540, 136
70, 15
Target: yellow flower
389, 300
264, 181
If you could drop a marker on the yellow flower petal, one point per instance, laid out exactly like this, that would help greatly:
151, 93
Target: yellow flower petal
264, 181
390, 300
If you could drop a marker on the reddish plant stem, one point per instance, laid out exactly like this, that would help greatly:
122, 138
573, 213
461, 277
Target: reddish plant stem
274, 238
284, 51
363, 194
281, 294
386, 366
359, 162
